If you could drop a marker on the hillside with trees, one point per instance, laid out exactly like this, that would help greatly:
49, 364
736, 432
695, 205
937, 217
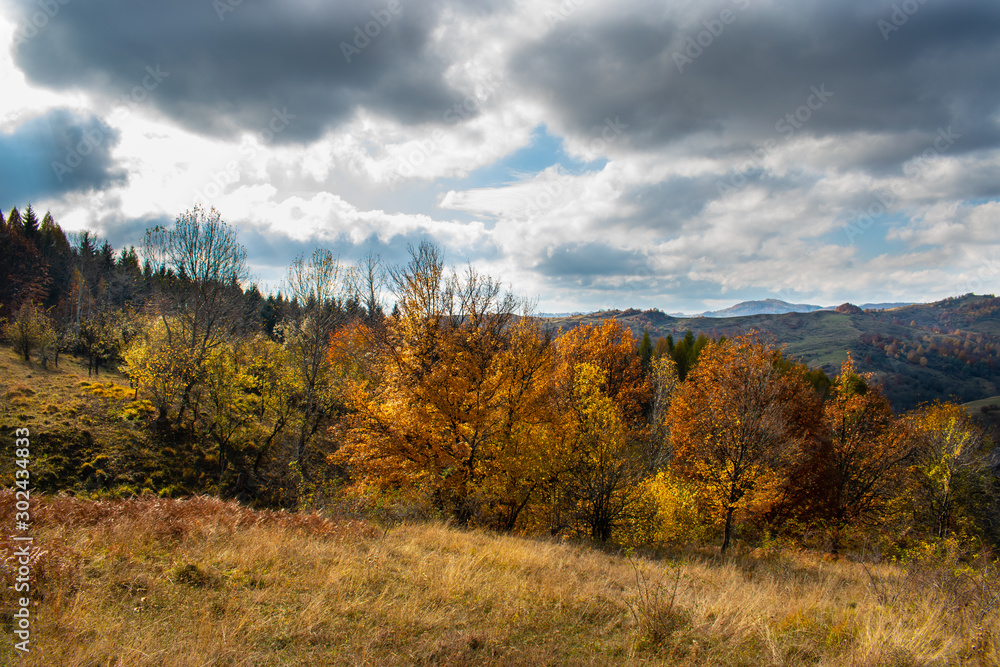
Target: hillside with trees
948, 350
159, 372
459, 404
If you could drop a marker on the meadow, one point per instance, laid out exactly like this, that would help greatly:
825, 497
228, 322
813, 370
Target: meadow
166, 582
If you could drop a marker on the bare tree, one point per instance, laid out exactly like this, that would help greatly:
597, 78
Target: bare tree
201, 301
369, 278
320, 286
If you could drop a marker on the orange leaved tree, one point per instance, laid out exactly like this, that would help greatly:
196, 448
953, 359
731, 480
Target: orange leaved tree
864, 459
734, 424
439, 388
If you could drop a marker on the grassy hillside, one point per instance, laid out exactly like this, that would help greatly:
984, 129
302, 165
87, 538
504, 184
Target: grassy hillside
947, 350
162, 582
89, 435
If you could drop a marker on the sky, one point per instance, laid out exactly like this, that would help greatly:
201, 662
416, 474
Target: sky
679, 154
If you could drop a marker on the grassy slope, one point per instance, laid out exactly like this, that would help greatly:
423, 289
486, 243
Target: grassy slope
88, 435
166, 582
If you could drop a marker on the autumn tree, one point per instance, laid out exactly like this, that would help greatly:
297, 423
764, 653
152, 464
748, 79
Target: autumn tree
664, 378
436, 403
851, 476
30, 331
248, 403
733, 425
610, 347
160, 365
604, 422
605, 469
527, 450
949, 472
200, 304
319, 285
103, 334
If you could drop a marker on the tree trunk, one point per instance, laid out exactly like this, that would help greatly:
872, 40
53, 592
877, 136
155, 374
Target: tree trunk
729, 530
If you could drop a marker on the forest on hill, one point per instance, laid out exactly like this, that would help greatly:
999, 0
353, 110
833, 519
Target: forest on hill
948, 350
457, 404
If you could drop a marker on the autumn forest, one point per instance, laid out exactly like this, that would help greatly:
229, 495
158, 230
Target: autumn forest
457, 403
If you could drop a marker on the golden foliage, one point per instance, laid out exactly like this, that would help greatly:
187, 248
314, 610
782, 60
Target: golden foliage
733, 426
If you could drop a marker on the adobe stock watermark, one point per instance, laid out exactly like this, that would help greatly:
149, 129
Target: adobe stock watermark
787, 126
372, 29
223, 7
901, 13
93, 138
38, 20
139, 93
418, 155
886, 198
552, 191
21, 619
279, 120
988, 272
562, 12
695, 45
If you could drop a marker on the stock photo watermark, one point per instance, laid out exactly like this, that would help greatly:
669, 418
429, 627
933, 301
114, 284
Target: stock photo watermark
276, 124
988, 272
417, 156
93, 138
901, 13
563, 11
363, 36
787, 126
223, 7
48, 9
886, 198
611, 131
695, 45
21, 558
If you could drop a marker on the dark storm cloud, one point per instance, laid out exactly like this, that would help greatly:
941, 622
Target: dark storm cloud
939, 69
225, 71
59, 152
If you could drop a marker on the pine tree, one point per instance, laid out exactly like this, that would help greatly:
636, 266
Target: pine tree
645, 351
14, 224
30, 223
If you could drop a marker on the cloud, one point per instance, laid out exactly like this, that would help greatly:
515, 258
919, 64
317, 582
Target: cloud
226, 72
640, 152
630, 60
55, 153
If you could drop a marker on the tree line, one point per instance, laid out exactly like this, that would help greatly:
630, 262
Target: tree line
458, 403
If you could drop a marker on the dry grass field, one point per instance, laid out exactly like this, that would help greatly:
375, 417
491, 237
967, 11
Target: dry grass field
161, 582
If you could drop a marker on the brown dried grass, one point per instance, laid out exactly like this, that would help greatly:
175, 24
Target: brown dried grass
153, 581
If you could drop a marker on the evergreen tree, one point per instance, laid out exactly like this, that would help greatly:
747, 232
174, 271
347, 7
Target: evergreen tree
30, 223
14, 224
645, 351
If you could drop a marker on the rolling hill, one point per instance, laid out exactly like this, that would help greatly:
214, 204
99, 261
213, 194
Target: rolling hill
921, 352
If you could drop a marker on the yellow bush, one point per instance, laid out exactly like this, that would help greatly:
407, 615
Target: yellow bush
678, 517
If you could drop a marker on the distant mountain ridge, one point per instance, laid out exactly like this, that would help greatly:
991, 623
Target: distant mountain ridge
765, 307
779, 307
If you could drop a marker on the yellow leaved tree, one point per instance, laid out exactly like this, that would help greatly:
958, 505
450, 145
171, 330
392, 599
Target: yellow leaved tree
436, 401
